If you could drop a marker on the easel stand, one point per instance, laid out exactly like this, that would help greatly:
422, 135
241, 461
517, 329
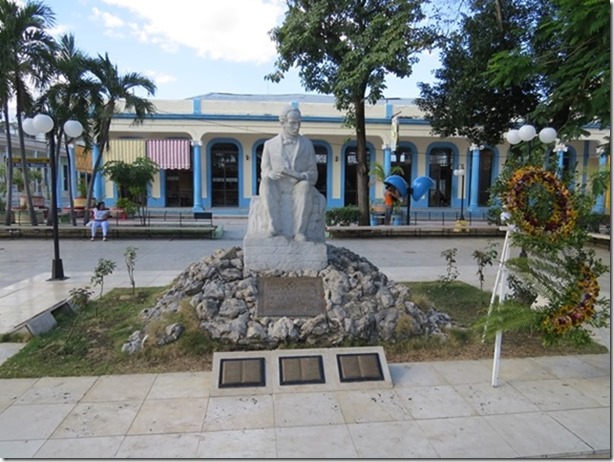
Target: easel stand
499, 290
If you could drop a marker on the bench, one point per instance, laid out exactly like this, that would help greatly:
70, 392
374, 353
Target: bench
600, 239
208, 217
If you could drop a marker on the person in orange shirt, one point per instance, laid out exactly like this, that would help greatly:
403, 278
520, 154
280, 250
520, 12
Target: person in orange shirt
391, 196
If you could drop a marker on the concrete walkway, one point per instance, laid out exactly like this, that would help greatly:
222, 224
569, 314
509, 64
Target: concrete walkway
543, 407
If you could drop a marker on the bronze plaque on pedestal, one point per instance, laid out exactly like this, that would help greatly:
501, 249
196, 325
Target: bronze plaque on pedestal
292, 297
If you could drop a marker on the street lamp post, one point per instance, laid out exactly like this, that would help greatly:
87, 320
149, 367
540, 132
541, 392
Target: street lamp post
42, 123
460, 172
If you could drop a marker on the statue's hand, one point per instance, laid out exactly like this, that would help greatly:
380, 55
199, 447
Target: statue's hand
294, 174
275, 175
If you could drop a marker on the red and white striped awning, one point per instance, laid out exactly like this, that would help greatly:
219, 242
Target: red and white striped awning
170, 154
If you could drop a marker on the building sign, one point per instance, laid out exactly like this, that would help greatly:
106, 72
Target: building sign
83, 159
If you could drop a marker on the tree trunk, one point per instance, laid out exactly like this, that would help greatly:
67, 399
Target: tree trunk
362, 167
24, 166
9, 166
70, 191
103, 142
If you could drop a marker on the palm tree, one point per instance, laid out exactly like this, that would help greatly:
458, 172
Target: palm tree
113, 87
25, 46
68, 97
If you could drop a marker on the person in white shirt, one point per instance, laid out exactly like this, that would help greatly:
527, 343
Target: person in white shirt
100, 218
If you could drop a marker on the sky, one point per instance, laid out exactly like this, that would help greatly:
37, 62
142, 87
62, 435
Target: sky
194, 47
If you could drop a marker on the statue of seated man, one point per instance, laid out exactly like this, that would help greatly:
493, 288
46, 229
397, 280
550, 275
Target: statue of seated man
288, 169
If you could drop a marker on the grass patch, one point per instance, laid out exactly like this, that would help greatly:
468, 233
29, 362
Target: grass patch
466, 304
90, 344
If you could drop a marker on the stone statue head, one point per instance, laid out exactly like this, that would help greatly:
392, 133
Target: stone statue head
290, 119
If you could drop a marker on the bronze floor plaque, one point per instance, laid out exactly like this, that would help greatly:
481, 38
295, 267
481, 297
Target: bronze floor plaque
293, 297
359, 367
297, 370
247, 372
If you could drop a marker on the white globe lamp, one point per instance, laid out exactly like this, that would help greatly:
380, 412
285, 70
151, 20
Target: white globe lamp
547, 135
42, 123
73, 128
526, 132
28, 127
513, 137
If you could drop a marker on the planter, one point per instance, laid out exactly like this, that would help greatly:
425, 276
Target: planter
374, 220
80, 202
397, 220
37, 201
118, 213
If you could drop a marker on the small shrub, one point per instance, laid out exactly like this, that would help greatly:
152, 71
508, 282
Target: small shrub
130, 256
103, 268
451, 269
343, 216
483, 258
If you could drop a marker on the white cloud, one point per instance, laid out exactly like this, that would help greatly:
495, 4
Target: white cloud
159, 77
112, 24
230, 30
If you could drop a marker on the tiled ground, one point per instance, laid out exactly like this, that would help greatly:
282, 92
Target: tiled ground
544, 407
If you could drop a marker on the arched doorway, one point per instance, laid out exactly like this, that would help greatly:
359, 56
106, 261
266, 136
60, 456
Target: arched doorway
322, 163
350, 191
440, 170
224, 175
485, 177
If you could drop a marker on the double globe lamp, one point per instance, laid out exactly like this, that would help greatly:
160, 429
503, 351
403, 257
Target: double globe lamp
527, 133
43, 124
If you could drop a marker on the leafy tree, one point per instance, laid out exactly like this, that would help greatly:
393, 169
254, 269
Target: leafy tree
569, 55
542, 60
463, 101
24, 47
68, 97
133, 180
113, 87
346, 48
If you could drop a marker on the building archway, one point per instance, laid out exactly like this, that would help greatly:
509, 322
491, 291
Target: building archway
224, 165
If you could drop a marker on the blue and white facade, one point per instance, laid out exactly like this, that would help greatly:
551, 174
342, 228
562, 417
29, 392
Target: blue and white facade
217, 164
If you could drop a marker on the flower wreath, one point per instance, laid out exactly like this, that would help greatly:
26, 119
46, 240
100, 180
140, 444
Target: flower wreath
562, 220
580, 306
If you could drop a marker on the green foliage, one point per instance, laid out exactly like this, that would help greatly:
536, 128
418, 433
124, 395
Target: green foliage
80, 297
451, 268
127, 206
346, 49
343, 216
462, 101
103, 268
593, 222
82, 187
567, 281
130, 256
509, 316
520, 290
133, 180
484, 257
570, 61
379, 173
